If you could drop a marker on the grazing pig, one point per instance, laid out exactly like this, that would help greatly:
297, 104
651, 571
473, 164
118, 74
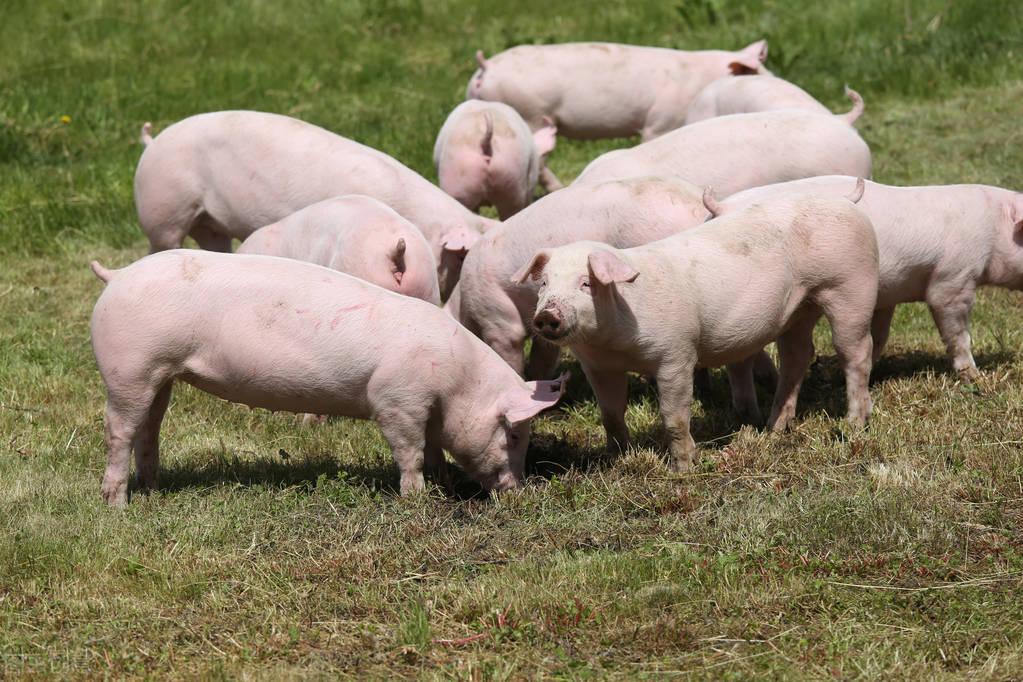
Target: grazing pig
223, 175
937, 244
284, 335
732, 153
596, 90
486, 155
356, 235
712, 295
752, 94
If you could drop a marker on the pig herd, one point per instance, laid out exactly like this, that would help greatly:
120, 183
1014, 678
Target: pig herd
742, 218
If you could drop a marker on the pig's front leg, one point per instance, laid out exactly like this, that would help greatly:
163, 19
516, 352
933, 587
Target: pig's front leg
744, 393
950, 307
407, 437
675, 383
880, 325
612, 391
543, 359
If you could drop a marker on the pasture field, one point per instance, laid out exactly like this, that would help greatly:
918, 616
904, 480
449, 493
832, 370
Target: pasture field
278, 551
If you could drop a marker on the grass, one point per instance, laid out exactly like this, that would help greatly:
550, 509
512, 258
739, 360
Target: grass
278, 551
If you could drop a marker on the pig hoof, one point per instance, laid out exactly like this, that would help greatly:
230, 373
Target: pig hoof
969, 375
115, 495
683, 466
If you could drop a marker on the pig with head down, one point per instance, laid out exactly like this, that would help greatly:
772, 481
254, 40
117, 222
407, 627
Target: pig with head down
751, 94
285, 335
222, 175
937, 244
486, 155
356, 235
598, 90
713, 295
732, 153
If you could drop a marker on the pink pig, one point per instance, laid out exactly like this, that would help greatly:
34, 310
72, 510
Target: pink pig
937, 244
486, 155
761, 93
596, 90
621, 213
356, 235
712, 295
732, 153
222, 175
285, 335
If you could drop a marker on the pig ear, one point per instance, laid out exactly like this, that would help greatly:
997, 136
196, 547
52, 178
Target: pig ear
397, 256
711, 203
749, 59
545, 138
459, 239
523, 405
1016, 212
608, 268
532, 269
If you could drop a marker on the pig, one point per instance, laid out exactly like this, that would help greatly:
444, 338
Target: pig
713, 295
732, 153
600, 90
937, 244
486, 155
222, 175
285, 335
356, 235
622, 213
761, 93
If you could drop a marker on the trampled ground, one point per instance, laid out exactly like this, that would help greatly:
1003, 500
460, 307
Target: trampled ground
275, 550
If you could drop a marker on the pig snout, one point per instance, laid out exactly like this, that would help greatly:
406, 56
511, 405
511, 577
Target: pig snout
549, 323
506, 480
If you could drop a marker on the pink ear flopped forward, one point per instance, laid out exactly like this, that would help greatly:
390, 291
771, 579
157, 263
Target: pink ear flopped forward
532, 269
608, 268
526, 404
545, 138
459, 239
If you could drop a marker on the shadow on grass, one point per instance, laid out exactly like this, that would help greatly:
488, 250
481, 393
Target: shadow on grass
911, 363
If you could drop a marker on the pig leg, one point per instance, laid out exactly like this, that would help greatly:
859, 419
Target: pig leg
611, 390
950, 307
209, 238
147, 441
675, 383
543, 359
854, 346
795, 351
744, 393
433, 456
880, 325
406, 434
548, 180
125, 416
764, 370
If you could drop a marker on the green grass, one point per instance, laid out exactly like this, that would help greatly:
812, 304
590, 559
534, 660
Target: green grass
274, 550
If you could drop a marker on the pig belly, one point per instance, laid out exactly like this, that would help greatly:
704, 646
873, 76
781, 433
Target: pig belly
279, 384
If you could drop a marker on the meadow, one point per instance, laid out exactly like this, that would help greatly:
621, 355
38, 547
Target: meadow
275, 551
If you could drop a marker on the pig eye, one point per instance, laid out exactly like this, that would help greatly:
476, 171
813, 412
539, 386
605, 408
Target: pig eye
585, 285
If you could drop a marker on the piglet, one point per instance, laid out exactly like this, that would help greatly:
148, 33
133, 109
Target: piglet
597, 90
486, 155
733, 153
285, 335
356, 235
222, 175
761, 93
713, 295
937, 244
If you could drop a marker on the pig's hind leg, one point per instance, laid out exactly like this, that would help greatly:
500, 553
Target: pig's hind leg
850, 314
128, 423
147, 441
795, 351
